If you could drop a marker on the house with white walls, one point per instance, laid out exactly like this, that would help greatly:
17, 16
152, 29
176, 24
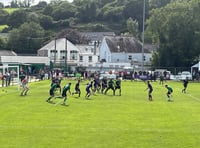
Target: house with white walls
61, 52
115, 50
88, 55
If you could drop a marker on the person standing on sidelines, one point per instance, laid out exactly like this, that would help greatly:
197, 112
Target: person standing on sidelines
24, 86
64, 92
118, 85
149, 86
169, 92
185, 84
89, 90
77, 89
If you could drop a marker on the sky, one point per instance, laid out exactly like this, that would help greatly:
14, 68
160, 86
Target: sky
7, 2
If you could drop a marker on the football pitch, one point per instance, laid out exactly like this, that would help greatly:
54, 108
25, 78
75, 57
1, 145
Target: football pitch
103, 121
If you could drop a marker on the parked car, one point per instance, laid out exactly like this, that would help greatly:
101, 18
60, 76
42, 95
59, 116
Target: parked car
185, 74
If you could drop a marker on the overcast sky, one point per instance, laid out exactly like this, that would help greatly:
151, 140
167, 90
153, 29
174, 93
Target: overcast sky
6, 2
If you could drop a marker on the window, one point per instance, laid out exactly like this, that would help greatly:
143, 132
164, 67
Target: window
73, 55
81, 58
92, 50
130, 57
63, 54
53, 54
90, 58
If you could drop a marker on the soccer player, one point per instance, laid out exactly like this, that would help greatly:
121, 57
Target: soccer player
77, 89
56, 80
149, 86
64, 92
96, 84
103, 84
110, 86
24, 86
88, 90
118, 86
169, 92
161, 79
52, 91
185, 84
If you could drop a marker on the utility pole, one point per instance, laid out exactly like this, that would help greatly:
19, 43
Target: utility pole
54, 53
66, 57
143, 23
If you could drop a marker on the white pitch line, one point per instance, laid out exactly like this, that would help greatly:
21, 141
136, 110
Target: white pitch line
191, 96
58, 102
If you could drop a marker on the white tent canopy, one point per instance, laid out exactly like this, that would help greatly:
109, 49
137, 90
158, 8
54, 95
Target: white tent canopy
196, 66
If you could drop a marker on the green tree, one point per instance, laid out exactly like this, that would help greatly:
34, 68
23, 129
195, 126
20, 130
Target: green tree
2, 43
134, 9
1, 5
21, 16
158, 3
175, 28
3, 16
46, 21
133, 27
63, 10
27, 39
87, 12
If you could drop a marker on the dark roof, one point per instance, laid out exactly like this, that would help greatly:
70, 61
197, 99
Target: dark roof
7, 53
96, 36
124, 44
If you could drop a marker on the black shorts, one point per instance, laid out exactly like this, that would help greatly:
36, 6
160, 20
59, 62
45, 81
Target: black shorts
64, 94
169, 92
51, 93
77, 90
117, 87
150, 91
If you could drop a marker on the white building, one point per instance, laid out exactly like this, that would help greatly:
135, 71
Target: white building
88, 55
61, 52
117, 50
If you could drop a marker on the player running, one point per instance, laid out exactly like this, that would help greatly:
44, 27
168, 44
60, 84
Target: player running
149, 86
77, 89
52, 91
96, 84
64, 92
24, 86
103, 84
88, 90
169, 93
118, 86
185, 84
110, 86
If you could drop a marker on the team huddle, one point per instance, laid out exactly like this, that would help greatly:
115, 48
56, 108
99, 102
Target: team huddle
96, 85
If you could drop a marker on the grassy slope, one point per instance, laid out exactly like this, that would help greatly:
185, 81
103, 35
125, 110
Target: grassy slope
103, 121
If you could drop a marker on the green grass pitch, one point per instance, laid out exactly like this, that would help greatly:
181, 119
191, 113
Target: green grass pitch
104, 121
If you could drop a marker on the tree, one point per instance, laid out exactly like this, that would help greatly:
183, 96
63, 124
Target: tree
158, 3
88, 12
133, 27
2, 43
46, 21
175, 28
3, 16
134, 9
1, 5
27, 39
63, 10
21, 16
